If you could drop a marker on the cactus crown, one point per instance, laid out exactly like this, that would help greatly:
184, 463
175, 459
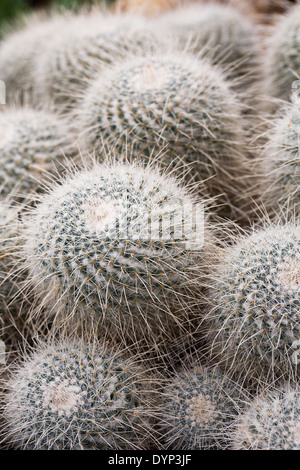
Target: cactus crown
78, 396
198, 409
255, 301
170, 102
271, 422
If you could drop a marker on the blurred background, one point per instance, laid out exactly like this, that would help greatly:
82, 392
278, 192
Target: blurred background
10, 9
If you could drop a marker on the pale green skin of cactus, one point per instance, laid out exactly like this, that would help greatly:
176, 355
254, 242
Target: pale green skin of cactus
31, 142
281, 163
271, 423
71, 397
256, 290
119, 276
168, 106
283, 66
199, 408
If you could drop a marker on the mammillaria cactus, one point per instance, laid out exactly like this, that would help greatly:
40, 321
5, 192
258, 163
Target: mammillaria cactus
280, 162
86, 44
169, 105
283, 64
12, 309
271, 422
31, 146
19, 47
228, 36
109, 242
70, 395
254, 318
198, 410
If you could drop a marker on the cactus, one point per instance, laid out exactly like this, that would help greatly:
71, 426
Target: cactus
270, 422
169, 104
75, 395
253, 320
280, 162
31, 146
89, 251
228, 35
283, 64
20, 45
198, 410
83, 47
13, 307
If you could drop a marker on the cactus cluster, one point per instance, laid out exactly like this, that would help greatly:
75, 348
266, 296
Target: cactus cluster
271, 422
199, 408
170, 104
78, 396
32, 145
254, 316
138, 308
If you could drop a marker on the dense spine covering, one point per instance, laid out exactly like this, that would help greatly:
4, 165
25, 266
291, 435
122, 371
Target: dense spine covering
283, 64
19, 47
84, 47
32, 145
109, 243
279, 163
254, 316
170, 105
271, 422
70, 395
198, 410
229, 38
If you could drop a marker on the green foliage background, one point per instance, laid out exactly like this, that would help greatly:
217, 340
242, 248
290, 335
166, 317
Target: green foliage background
10, 9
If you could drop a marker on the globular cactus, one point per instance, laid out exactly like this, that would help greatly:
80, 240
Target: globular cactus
253, 320
283, 64
20, 45
279, 163
169, 104
228, 36
109, 244
32, 145
271, 422
198, 410
13, 304
84, 46
75, 395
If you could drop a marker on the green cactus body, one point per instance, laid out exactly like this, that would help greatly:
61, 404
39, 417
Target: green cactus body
280, 162
78, 396
254, 319
82, 48
88, 244
228, 35
198, 410
31, 146
283, 64
169, 105
271, 422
